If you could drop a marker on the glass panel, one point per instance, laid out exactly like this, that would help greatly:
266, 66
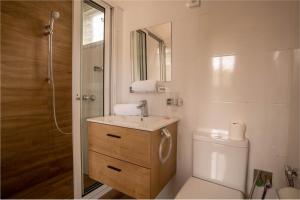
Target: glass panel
92, 76
93, 25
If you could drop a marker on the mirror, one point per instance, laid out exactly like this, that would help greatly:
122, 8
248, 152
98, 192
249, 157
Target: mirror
151, 53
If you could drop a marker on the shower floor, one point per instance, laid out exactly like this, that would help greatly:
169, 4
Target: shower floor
58, 187
61, 187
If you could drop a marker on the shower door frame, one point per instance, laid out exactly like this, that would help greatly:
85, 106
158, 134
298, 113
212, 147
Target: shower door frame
109, 86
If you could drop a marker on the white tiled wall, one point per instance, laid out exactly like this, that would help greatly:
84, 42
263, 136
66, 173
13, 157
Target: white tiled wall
294, 137
255, 41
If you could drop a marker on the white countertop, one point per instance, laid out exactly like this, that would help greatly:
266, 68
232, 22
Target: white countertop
151, 123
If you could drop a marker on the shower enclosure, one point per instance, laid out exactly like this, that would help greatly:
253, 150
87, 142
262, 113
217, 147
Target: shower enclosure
92, 79
36, 95
36, 158
91, 84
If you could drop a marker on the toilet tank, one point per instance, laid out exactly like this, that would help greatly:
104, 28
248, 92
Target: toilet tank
220, 160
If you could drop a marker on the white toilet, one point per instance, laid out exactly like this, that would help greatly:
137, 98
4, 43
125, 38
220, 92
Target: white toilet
219, 168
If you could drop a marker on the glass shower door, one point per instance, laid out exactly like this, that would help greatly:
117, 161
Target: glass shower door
92, 79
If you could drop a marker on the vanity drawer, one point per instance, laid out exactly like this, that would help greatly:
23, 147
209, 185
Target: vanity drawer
125, 177
123, 143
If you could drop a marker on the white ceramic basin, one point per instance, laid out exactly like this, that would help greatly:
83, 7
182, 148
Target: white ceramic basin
151, 123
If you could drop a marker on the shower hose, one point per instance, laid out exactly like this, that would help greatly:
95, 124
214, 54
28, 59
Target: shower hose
51, 81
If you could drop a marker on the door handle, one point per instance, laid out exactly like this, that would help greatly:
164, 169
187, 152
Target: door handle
89, 97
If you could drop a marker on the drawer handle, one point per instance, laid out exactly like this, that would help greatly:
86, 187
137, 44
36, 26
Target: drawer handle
114, 168
112, 135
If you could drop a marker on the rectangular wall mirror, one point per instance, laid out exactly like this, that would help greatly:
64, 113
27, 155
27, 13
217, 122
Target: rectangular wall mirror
151, 53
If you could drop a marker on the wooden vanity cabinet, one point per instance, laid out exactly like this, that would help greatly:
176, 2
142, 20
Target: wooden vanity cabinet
128, 159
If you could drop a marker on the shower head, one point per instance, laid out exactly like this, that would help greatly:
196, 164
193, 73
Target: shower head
55, 15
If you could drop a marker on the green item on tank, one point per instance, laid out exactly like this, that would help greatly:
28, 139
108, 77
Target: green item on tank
259, 182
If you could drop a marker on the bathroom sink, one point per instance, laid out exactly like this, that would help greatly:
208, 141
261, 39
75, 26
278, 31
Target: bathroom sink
150, 123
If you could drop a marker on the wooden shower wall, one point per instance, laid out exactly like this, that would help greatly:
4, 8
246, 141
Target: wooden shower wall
32, 150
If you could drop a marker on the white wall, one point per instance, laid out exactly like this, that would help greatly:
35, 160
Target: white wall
299, 82
294, 147
260, 36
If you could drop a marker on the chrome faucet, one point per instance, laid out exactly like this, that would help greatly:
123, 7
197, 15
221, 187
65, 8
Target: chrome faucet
144, 108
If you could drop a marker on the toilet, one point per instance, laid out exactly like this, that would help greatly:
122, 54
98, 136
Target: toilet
219, 167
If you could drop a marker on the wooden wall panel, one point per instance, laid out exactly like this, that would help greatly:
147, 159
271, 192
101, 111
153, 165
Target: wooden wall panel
32, 150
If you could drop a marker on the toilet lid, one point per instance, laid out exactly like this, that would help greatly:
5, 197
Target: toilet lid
196, 188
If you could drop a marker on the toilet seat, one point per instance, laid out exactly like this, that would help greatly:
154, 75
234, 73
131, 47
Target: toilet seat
196, 188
